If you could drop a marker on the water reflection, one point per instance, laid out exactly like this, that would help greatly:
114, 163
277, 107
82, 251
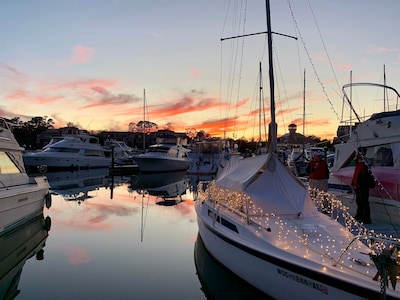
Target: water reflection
76, 185
219, 283
167, 187
17, 246
120, 243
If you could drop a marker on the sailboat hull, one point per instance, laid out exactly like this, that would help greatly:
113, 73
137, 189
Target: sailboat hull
277, 273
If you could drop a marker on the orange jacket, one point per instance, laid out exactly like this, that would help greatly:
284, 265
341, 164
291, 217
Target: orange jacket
361, 176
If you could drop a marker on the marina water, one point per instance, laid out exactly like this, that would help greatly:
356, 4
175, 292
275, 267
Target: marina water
111, 240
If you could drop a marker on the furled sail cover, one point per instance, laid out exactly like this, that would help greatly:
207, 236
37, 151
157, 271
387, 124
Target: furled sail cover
239, 172
274, 191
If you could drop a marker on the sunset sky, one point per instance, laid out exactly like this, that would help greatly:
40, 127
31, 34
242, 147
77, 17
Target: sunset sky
89, 61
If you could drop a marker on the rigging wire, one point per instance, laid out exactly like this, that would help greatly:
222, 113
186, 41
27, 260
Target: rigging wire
236, 57
323, 44
282, 82
311, 61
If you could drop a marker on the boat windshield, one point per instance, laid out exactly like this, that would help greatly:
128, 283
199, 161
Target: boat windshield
380, 155
68, 150
94, 153
7, 166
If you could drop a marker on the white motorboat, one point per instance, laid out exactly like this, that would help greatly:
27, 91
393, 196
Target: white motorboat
299, 159
80, 151
163, 158
379, 139
259, 221
18, 246
166, 186
120, 151
205, 157
21, 196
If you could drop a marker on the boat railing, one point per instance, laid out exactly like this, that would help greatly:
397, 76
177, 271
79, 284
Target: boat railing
4, 124
386, 257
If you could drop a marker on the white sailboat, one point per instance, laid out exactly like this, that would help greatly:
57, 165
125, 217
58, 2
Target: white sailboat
260, 222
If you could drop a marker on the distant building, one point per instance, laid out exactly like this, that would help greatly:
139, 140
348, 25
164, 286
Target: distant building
293, 139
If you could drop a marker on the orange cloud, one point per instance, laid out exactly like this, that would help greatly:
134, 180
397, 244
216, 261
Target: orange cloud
184, 105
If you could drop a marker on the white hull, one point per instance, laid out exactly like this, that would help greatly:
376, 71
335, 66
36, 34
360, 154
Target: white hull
21, 202
203, 164
161, 164
21, 196
35, 161
80, 151
281, 271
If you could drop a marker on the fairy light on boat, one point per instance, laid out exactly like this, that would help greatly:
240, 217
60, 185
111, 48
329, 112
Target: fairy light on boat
290, 236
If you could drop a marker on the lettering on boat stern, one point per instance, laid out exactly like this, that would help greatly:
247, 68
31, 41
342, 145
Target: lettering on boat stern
310, 283
22, 199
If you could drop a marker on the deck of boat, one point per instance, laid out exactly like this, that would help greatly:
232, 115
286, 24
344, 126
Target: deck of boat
385, 217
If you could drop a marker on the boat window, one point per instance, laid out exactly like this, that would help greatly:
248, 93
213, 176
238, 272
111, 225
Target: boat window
228, 224
94, 153
7, 166
223, 221
380, 156
158, 149
396, 154
67, 150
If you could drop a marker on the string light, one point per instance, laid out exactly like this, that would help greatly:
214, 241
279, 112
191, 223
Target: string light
342, 252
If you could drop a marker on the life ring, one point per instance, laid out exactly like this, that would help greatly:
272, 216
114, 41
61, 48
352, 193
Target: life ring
42, 169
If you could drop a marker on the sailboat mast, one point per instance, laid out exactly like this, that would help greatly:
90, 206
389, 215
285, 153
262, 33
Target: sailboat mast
144, 119
384, 90
260, 106
272, 126
304, 111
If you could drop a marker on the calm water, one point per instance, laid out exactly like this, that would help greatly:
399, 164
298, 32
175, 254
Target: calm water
118, 239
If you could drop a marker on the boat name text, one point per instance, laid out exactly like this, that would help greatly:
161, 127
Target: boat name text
302, 280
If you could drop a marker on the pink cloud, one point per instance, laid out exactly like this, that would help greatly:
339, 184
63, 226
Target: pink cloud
376, 49
81, 54
195, 73
77, 256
